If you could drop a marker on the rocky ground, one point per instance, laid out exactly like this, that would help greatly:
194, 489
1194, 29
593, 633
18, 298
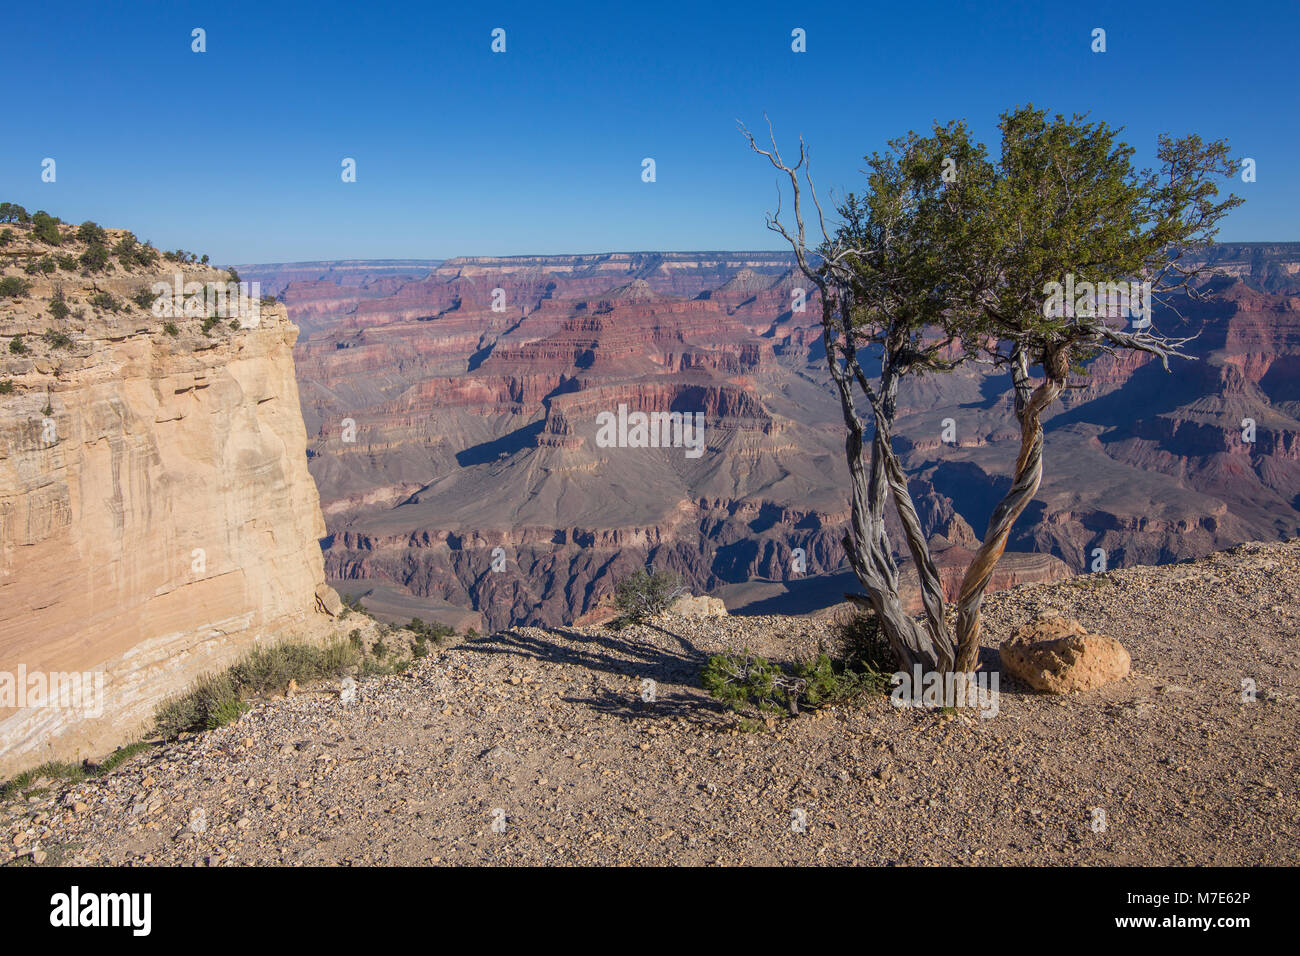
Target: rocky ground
539, 747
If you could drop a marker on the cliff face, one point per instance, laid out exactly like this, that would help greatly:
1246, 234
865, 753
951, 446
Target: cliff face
156, 513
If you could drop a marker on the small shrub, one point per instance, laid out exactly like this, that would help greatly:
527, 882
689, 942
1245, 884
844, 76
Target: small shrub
218, 699
7, 387
170, 328
13, 287
6, 236
68, 263
46, 228
105, 302
744, 680
59, 305
56, 339
642, 595
92, 233
95, 258
144, 298
17, 346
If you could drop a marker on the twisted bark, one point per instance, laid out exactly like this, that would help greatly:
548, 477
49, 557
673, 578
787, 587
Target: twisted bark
1029, 474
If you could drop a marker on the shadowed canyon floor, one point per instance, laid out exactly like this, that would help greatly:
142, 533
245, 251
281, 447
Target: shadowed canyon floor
547, 729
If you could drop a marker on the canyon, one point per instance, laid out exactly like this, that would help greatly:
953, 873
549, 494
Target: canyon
452, 418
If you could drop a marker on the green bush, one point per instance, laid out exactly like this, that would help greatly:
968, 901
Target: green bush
13, 287
744, 680
863, 645
144, 298
6, 237
46, 228
218, 699
68, 263
642, 595
92, 233
170, 328
56, 339
48, 265
7, 387
95, 258
17, 345
12, 212
106, 302
59, 305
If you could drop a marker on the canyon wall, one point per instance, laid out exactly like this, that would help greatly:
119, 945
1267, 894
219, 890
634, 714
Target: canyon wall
156, 513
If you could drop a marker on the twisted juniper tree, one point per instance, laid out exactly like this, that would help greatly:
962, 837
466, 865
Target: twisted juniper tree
949, 257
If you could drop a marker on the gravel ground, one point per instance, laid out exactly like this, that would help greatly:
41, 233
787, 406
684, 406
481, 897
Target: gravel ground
537, 747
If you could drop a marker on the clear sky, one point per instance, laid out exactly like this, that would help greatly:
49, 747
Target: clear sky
237, 151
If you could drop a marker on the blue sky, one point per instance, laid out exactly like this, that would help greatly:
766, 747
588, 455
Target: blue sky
236, 152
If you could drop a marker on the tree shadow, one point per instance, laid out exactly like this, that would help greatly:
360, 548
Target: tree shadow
620, 653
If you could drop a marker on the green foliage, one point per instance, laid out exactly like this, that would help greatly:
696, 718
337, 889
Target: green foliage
209, 324
145, 255
56, 339
744, 680
54, 771
234, 276
12, 212
6, 237
68, 263
7, 387
106, 302
170, 328
46, 228
435, 632
642, 595
951, 239
13, 287
17, 346
144, 298
95, 258
92, 233
218, 699
863, 645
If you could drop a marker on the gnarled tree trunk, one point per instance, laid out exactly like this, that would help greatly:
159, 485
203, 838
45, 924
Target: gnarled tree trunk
1029, 474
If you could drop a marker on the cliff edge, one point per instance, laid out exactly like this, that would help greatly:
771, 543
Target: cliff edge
156, 513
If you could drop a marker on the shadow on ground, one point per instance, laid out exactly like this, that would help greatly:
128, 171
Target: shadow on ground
622, 654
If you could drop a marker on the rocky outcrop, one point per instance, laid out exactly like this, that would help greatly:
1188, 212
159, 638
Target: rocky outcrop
156, 513
1057, 655
698, 607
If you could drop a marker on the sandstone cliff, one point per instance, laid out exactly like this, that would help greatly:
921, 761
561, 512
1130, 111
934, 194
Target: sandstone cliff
156, 514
